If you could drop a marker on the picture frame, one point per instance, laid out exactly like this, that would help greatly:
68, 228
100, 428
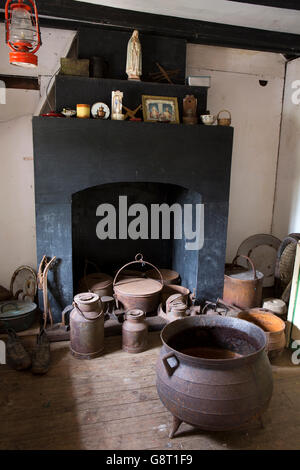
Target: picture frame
160, 109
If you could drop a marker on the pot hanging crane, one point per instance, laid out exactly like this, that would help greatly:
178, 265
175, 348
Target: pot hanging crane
22, 32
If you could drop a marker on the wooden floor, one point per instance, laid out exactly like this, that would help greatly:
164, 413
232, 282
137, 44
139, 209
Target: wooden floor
111, 403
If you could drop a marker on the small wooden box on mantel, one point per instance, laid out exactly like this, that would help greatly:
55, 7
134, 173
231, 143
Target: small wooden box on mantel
75, 67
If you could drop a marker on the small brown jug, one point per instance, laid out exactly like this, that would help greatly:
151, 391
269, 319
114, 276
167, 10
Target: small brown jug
134, 331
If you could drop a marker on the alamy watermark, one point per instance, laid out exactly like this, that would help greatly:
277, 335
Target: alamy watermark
296, 354
2, 92
296, 94
162, 221
2, 352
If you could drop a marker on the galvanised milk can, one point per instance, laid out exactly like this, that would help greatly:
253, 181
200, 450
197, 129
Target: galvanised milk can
87, 326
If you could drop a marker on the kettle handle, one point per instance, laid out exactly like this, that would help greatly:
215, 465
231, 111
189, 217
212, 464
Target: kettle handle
139, 259
75, 305
249, 261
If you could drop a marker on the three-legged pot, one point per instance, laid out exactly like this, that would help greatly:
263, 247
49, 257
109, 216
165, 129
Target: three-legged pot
213, 372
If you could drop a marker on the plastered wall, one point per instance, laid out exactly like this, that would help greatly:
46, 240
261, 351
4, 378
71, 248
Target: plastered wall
17, 211
287, 197
256, 114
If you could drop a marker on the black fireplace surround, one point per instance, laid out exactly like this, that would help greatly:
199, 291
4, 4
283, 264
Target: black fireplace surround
80, 164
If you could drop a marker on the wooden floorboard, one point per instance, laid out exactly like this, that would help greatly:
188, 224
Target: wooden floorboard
111, 403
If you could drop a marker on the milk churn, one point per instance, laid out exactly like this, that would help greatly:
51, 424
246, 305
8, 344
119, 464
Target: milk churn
134, 331
87, 326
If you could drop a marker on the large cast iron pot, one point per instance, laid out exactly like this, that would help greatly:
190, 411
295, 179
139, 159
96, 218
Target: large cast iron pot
227, 386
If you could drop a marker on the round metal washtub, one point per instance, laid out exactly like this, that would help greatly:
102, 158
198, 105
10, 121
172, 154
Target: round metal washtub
273, 327
213, 372
17, 314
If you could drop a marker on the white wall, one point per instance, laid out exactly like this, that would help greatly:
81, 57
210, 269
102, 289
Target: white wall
287, 198
256, 114
17, 233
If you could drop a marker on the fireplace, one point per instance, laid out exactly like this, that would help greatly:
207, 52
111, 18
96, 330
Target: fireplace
157, 231
81, 164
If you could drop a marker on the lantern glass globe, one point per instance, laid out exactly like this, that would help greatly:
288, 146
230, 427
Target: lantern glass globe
22, 30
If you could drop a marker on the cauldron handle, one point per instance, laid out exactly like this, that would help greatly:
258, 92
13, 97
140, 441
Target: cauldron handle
249, 261
170, 370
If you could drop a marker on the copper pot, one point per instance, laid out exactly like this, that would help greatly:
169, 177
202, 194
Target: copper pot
242, 287
138, 293
134, 332
273, 327
169, 276
170, 289
99, 283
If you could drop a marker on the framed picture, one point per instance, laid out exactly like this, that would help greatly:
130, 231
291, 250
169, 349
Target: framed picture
160, 109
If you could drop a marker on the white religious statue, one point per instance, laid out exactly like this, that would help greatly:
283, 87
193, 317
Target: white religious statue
116, 105
134, 57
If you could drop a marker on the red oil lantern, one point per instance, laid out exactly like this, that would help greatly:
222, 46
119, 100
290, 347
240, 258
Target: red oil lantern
22, 32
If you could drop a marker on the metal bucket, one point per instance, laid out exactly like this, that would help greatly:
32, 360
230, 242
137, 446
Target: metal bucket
242, 287
138, 293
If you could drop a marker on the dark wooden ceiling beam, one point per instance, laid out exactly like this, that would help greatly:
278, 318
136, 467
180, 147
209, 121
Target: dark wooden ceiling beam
23, 83
72, 14
287, 4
